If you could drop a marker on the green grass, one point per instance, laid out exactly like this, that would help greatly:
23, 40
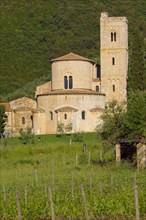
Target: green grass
31, 168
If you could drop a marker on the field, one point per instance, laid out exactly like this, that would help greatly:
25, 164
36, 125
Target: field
54, 179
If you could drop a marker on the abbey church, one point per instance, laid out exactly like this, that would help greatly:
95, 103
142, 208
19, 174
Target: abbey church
79, 89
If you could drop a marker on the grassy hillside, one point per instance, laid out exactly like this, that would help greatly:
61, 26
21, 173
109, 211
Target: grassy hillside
31, 169
34, 32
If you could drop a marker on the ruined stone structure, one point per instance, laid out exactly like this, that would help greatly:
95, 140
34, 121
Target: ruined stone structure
79, 88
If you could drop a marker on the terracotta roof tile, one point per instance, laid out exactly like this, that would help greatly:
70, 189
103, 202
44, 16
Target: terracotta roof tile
23, 108
7, 106
96, 109
72, 56
66, 109
74, 92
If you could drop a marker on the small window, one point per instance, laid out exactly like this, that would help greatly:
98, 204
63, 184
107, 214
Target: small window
51, 115
113, 61
114, 36
83, 115
23, 120
65, 82
65, 116
97, 88
114, 89
6, 118
70, 82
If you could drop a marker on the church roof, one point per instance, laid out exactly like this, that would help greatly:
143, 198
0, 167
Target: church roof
72, 56
96, 109
23, 108
66, 109
72, 92
6, 105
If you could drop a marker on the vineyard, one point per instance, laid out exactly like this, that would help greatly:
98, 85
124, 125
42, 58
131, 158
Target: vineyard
55, 179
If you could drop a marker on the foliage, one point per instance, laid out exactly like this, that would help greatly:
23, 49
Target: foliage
26, 136
129, 124
2, 119
60, 128
136, 114
136, 74
113, 122
34, 33
68, 127
78, 137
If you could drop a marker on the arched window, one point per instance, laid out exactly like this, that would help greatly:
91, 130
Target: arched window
83, 115
23, 120
114, 88
65, 116
65, 82
112, 36
70, 82
113, 61
97, 88
51, 115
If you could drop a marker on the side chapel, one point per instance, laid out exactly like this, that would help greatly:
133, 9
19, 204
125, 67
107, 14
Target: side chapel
79, 89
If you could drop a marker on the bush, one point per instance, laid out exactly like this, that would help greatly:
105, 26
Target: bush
26, 136
78, 137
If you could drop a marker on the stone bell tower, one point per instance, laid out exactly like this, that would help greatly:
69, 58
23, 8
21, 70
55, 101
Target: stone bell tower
114, 57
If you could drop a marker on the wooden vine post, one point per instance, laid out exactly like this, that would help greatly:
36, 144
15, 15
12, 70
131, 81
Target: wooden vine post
51, 203
136, 199
18, 206
84, 201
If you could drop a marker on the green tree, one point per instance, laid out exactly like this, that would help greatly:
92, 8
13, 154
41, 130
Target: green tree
136, 114
136, 73
113, 122
2, 118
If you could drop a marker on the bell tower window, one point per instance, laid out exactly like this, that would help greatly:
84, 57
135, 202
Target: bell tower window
51, 115
83, 115
113, 36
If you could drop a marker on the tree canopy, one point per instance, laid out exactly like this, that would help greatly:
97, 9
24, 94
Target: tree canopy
119, 123
34, 32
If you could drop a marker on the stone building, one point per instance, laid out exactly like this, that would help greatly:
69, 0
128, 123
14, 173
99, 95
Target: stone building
79, 88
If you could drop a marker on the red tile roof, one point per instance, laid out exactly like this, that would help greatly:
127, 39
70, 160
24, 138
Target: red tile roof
72, 92
7, 106
72, 56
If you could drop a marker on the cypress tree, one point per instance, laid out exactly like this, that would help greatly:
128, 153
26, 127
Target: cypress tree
136, 73
2, 118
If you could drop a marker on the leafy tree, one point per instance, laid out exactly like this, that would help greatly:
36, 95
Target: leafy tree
113, 122
2, 118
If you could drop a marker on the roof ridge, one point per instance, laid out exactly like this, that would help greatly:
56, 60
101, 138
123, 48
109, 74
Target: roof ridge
72, 56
